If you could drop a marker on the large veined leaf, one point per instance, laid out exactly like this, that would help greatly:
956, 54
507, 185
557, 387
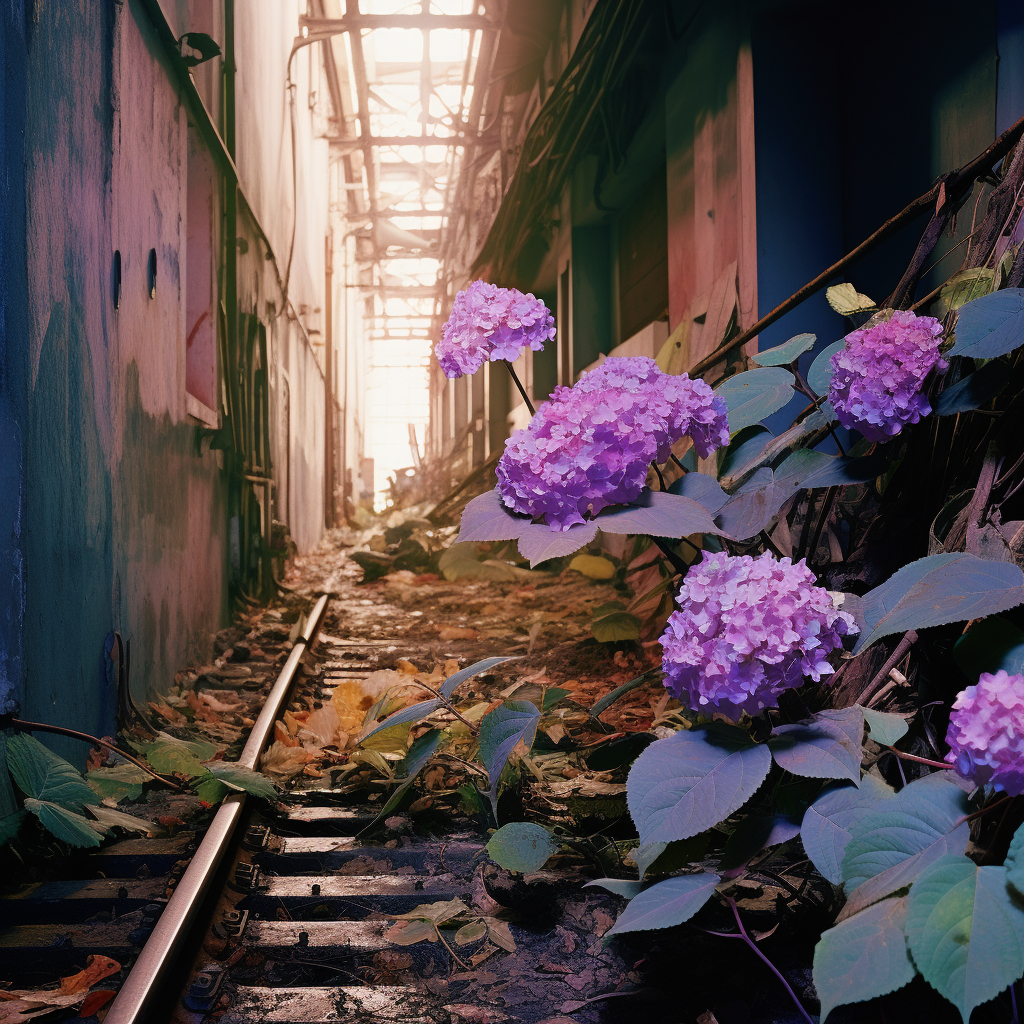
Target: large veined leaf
686, 783
754, 833
173, 758
990, 326
456, 679
616, 626
658, 514
787, 352
237, 776
42, 774
755, 394
751, 507
619, 886
702, 488
745, 450
413, 713
892, 847
885, 729
828, 746
807, 468
933, 591
118, 782
990, 645
538, 542
965, 932
1015, 861
819, 376
74, 829
974, 390
863, 957
513, 722
487, 517
825, 829
521, 846
666, 904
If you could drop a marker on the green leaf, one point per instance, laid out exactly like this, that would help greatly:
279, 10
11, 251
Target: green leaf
406, 716
990, 645
745, 448
825, 829
456, 679
827, 746
173, 759
237, 776
439, 913
754, 833
785, 353
965, 932
620, 691
819, 376
42, 774
552, 696
615, 626
594, 567
74, 829
892, 847
686, 783
10, 824
421, 751
666, 904
501, 730
521, 846
1015, 861
885, 729
472, 932
990, 326
108, 817
755, 394
538, 542
936, 590
619, 886
963, 287
863, 957
845, 299
974, 390
118, 782
751, 507
210, 789
664, 858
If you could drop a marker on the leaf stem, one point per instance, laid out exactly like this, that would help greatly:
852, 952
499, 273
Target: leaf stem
448, 705
920, 760
60, 730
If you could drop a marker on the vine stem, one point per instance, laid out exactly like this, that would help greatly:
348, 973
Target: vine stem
522, 390
753, 945
803, 386
75, 734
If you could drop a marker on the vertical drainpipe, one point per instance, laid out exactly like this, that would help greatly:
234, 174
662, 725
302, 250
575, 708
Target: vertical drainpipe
329, 380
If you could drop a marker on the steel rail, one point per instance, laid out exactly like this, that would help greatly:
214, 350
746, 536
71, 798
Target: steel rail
134, 1002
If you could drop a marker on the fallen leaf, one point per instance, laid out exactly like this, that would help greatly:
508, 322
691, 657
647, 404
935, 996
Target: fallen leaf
476, 1014
457, 633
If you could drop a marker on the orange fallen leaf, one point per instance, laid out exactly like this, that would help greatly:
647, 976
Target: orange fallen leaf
95, 1001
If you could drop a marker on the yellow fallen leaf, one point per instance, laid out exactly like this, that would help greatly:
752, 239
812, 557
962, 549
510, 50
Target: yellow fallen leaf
593, 566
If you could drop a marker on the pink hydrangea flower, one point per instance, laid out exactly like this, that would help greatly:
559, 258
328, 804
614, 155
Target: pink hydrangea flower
880, 376
747, 629
986, 732
488, 322
591, 445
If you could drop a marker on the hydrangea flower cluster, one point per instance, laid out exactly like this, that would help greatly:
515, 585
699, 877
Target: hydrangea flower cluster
747, 629
488, 322
986, 732
879, 381
591, 445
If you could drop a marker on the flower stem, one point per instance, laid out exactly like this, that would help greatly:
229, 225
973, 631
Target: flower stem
920, 760
522, 390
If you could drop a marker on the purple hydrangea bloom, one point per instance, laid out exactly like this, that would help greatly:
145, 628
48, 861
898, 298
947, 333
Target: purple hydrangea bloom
879, 381
747, 629
986, 732
488, 322
591, 445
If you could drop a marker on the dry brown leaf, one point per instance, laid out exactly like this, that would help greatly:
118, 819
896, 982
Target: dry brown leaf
457, 633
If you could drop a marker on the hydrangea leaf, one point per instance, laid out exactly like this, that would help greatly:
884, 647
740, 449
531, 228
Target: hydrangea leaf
237, 776
965, 932
755, 394
702, 488
538, 542
785, 353
666, 904
845, 299
825, 747
990, 326
616, 626
74, 829
619, 886
42, 774
1015, 861
501, 730
486, 517
885, 729
456, 679
807, 468
974, 390
990, 645
754, 833
521, 846
892, 847
863, 957
949, 587
751, 507
819, 376
826, 827
658, 514
745, 449
686, 783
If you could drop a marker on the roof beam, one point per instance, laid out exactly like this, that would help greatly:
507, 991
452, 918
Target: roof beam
354, 22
